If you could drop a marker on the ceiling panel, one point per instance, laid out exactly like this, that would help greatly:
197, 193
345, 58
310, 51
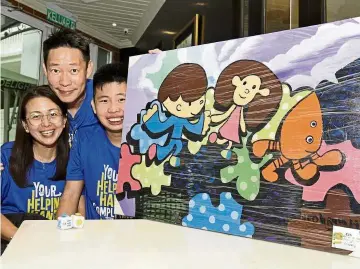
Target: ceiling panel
97, 17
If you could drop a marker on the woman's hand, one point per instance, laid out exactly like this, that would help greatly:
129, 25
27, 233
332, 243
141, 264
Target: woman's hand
8, 229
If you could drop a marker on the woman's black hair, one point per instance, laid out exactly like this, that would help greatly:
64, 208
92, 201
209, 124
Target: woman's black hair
22, 154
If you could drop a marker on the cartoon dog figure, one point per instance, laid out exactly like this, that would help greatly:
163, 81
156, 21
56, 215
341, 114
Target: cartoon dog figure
300, 139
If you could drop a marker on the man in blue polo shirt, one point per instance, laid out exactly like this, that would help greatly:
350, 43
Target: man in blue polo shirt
67, 66
94, 156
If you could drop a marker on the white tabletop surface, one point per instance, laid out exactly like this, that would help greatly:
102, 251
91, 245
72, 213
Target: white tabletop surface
146, 244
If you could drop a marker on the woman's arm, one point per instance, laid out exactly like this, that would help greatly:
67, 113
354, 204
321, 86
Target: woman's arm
8, 229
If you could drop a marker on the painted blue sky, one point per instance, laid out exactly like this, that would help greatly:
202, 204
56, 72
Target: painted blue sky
300, 57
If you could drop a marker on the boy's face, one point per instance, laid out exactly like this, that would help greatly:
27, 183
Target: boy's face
66, 73
183, 109
108, 105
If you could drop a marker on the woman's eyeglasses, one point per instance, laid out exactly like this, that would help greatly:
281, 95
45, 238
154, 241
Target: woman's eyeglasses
36, 119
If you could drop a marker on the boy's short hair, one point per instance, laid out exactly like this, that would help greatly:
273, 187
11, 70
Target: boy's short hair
67, 38
107, 74
187, 80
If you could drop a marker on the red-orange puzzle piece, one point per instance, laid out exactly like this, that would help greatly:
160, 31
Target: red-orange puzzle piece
127, 161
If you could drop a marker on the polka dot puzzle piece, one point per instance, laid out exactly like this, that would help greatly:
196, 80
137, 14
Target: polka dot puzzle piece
225, 218
246, 172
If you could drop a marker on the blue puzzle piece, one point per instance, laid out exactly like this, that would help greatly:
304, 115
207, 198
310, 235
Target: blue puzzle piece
225, 218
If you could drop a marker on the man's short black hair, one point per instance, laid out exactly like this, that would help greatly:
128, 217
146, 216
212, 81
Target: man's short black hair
67, 38
107, 74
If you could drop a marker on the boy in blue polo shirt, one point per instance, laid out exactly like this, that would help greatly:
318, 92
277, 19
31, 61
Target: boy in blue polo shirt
94, 157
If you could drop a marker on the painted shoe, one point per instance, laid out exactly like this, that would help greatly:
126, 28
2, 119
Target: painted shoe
212, 138
152, 152
174, 161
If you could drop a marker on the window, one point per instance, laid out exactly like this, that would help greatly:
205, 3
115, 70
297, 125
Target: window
20, 68
104, 57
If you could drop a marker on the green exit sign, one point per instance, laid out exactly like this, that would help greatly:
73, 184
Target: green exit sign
53, 16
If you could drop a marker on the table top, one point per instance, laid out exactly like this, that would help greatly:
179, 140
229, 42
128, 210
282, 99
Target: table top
147, 244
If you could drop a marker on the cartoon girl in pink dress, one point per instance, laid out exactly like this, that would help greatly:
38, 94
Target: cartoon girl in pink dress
248, 93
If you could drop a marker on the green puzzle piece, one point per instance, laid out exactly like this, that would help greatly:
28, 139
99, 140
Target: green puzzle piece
151, 177
246, 172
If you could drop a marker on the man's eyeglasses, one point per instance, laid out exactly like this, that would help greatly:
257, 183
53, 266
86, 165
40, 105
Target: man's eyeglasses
36, 119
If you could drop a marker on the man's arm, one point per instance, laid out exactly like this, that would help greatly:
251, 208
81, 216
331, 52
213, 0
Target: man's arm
70, 198
81, 206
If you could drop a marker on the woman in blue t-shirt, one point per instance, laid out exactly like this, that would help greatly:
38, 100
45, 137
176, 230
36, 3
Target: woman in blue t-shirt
34, 165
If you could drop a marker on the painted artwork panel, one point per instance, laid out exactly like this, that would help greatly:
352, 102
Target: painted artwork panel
256, 137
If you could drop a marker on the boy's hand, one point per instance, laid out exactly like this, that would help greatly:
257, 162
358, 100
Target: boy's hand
155, 51
207, 121
150, 113
1, 167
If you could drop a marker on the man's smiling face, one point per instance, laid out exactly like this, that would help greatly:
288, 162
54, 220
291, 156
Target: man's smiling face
67, 71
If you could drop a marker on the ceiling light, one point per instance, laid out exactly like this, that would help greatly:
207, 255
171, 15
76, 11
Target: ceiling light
114, 24
200, 4
168, 32
89, 1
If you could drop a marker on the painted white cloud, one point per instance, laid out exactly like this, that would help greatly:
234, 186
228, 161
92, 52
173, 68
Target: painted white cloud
243, 51
133, 60
326, 69
182, 55
326, 35
225, 50
209, 61
146, 83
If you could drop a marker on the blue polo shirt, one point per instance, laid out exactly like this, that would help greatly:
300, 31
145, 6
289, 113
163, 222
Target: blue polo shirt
41, 196
94, 159
85, 116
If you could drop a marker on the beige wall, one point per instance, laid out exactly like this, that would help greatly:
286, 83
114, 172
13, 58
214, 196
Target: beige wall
281, 15
342, 9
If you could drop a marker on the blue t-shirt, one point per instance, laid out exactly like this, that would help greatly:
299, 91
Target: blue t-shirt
42, 196
94, 159
85, 116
